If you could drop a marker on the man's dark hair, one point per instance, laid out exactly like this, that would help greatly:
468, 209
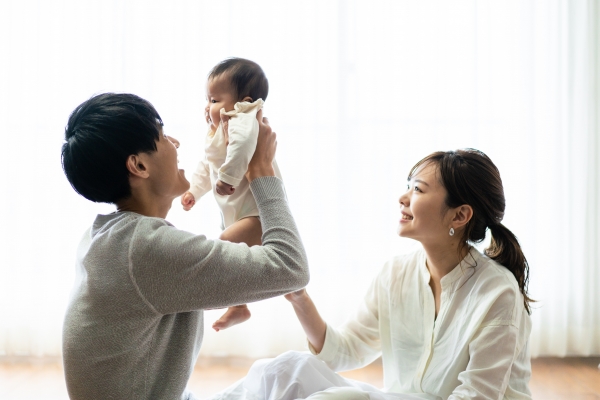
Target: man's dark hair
246, 78
101, 134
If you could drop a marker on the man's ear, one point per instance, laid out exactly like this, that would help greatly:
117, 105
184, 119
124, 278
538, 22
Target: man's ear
136, 166
248, 99
462, 215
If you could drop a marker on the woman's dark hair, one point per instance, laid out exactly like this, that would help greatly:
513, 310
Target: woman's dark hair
246, 77
470, 177
101, 134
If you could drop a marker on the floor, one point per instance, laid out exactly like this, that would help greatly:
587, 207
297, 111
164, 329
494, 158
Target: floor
552, 378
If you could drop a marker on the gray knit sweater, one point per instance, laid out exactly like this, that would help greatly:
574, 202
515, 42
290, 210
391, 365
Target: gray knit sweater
134, 325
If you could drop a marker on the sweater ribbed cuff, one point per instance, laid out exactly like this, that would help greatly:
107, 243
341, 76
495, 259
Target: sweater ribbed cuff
267, 187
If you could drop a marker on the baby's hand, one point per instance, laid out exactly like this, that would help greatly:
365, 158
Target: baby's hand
224, 189
188, 201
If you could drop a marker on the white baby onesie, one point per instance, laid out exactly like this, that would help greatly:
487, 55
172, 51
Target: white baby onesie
226, 157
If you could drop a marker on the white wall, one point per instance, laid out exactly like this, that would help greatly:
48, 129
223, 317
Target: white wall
360, 91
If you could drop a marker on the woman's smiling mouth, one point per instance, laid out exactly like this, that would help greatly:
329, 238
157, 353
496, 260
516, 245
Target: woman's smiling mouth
406, 217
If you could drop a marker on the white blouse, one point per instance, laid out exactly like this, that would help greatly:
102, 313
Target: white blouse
476, 348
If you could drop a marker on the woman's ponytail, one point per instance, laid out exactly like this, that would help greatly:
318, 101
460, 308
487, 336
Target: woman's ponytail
506, 250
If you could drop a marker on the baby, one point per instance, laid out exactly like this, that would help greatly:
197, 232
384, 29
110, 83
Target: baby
235, 92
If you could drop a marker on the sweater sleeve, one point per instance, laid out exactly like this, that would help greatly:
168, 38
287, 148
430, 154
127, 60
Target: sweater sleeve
201, 183
357, 342
177, 271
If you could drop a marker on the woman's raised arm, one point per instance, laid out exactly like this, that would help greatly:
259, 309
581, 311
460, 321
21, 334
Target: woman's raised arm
309, 318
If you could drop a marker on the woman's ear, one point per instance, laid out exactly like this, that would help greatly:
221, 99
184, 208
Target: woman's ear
462, 215
136, 166
248, 99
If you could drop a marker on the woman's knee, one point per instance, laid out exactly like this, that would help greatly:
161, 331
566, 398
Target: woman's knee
282, 367
296, 358
340, 393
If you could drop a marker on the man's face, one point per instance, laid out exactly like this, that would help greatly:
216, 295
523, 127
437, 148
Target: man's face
167, 180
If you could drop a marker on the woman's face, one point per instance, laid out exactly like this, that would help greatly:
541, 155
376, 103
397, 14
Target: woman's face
424, 215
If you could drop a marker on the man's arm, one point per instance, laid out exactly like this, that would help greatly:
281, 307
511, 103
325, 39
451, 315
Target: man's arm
178, 271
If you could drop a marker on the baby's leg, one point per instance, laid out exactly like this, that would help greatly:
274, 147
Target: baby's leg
249, 231
233, 316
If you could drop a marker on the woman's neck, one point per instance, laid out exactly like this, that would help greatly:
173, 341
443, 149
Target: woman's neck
441, 259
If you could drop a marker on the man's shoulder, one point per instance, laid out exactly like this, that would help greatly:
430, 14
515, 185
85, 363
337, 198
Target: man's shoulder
125, 222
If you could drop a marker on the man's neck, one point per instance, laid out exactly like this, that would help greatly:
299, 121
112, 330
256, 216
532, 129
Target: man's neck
146, 205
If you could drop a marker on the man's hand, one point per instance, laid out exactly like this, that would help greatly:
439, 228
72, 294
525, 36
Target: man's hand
266, 145
188, 201
224, 189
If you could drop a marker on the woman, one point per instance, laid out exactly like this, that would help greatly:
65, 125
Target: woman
448, 321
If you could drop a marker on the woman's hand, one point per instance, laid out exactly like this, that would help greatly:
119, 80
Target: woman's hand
297, 296
261, 163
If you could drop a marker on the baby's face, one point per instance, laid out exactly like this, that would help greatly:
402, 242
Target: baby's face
218, 95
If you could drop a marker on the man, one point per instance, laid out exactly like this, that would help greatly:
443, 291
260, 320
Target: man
134, 325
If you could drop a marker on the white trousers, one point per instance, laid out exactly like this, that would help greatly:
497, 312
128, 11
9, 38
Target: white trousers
294, 376
342, 393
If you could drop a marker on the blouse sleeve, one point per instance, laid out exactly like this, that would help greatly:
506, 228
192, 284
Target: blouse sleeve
493, 351
357, 342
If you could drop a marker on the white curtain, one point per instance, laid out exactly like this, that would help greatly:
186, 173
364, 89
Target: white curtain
360, 91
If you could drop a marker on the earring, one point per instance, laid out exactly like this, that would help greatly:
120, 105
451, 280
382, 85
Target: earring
451, 233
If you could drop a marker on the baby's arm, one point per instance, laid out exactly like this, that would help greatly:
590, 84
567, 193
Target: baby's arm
199, 187
242, 133
188, 201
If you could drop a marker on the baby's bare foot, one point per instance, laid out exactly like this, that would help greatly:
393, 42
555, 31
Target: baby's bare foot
233, 316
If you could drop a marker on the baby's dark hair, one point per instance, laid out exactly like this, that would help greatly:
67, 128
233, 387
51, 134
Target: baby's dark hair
246, 77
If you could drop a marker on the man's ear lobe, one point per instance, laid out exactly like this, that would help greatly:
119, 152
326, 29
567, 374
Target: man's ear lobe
136, 166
